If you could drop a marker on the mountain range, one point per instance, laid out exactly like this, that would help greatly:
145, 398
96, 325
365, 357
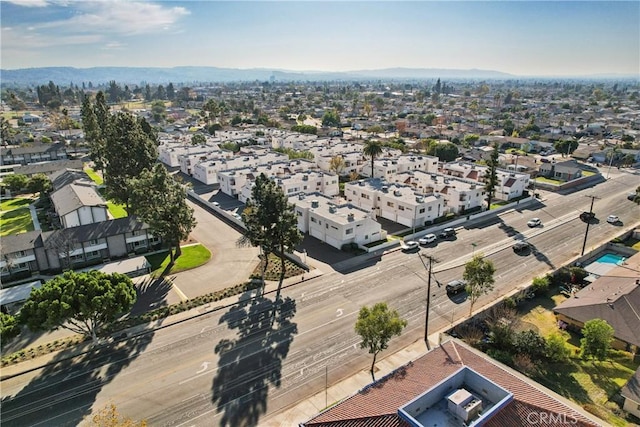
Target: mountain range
152, 75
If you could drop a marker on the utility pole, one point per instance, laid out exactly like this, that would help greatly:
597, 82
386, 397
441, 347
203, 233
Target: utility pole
426, 320
586, 232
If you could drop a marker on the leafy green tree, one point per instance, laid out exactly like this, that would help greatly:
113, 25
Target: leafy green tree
129, 151
373, 149
597, 336
531, 343
9, 326
271, 223
95, 120
15, 183
557, 349
508, 127
471, 138
158, 110
198, 139
565, 147
540, 284
308, 129
331, 118
6, 131
161, 202
491, 175
446, 151
83, 303
376, 326
479, 276
39, 183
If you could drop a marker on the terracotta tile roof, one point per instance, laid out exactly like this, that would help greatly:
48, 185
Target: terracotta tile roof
377, 404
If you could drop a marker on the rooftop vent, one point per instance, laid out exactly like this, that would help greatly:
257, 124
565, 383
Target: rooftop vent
397, 193
333, 209
464, 404
305, 177
385, 189
315, 203
361, 183
350, 217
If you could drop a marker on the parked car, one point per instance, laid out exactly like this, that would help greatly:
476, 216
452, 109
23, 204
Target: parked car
447, 233
613, 219
534, 222
427, 239
543, 160
456, 286
631, 196
410, 246
521, 246
587, 216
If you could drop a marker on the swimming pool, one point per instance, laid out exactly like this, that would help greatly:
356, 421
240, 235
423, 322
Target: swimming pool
611, 259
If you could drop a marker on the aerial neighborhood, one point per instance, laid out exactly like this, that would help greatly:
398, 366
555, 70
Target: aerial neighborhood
335, 186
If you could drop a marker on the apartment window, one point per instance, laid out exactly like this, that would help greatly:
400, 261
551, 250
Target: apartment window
21, 253
422, 210
334, 227
93, 242
304, 188
390, 204
299, 213
430, 208
400, 207
313, 219
349, 231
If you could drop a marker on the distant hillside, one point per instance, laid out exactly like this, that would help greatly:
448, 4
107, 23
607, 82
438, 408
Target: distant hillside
132, 75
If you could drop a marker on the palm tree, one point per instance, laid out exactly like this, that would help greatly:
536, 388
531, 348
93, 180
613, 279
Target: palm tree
373, 149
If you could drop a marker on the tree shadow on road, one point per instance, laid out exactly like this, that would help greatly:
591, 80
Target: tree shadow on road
64, 391
151, 294
252, 363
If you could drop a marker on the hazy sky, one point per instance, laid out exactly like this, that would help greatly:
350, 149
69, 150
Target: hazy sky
524, 38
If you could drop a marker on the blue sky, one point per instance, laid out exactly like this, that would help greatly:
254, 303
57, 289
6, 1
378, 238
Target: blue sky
548, 38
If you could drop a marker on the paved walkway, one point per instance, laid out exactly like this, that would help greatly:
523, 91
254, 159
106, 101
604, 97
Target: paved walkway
34, 217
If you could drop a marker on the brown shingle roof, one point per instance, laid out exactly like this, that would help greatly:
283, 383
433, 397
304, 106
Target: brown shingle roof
377, 404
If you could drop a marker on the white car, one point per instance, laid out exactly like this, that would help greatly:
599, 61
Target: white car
534, 222
613, 219
427, 239
410, 246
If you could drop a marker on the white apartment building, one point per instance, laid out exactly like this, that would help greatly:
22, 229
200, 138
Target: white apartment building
238, 182
353, 162
459, 194
207, 172
395, 202
336, 225
296, 141
187, 161
387, 168
169, 154
510, 184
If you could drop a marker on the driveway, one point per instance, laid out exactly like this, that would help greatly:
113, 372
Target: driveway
229, 264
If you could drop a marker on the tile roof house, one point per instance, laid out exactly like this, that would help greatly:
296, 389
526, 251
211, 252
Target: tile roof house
614, 298
421, 393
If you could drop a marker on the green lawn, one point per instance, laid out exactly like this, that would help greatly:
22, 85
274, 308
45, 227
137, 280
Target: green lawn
192, 257
117, 211
548, 180
15, 221
588, 173
94, 176
11, 204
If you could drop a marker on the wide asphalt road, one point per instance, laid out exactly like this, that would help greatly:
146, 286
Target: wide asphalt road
238, 366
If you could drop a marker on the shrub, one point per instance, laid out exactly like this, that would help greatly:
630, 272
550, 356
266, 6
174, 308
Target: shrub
557, 349
501, 356
540, 284
524, 364
530, 343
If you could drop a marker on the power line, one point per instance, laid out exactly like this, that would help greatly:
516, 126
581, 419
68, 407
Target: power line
586, 232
